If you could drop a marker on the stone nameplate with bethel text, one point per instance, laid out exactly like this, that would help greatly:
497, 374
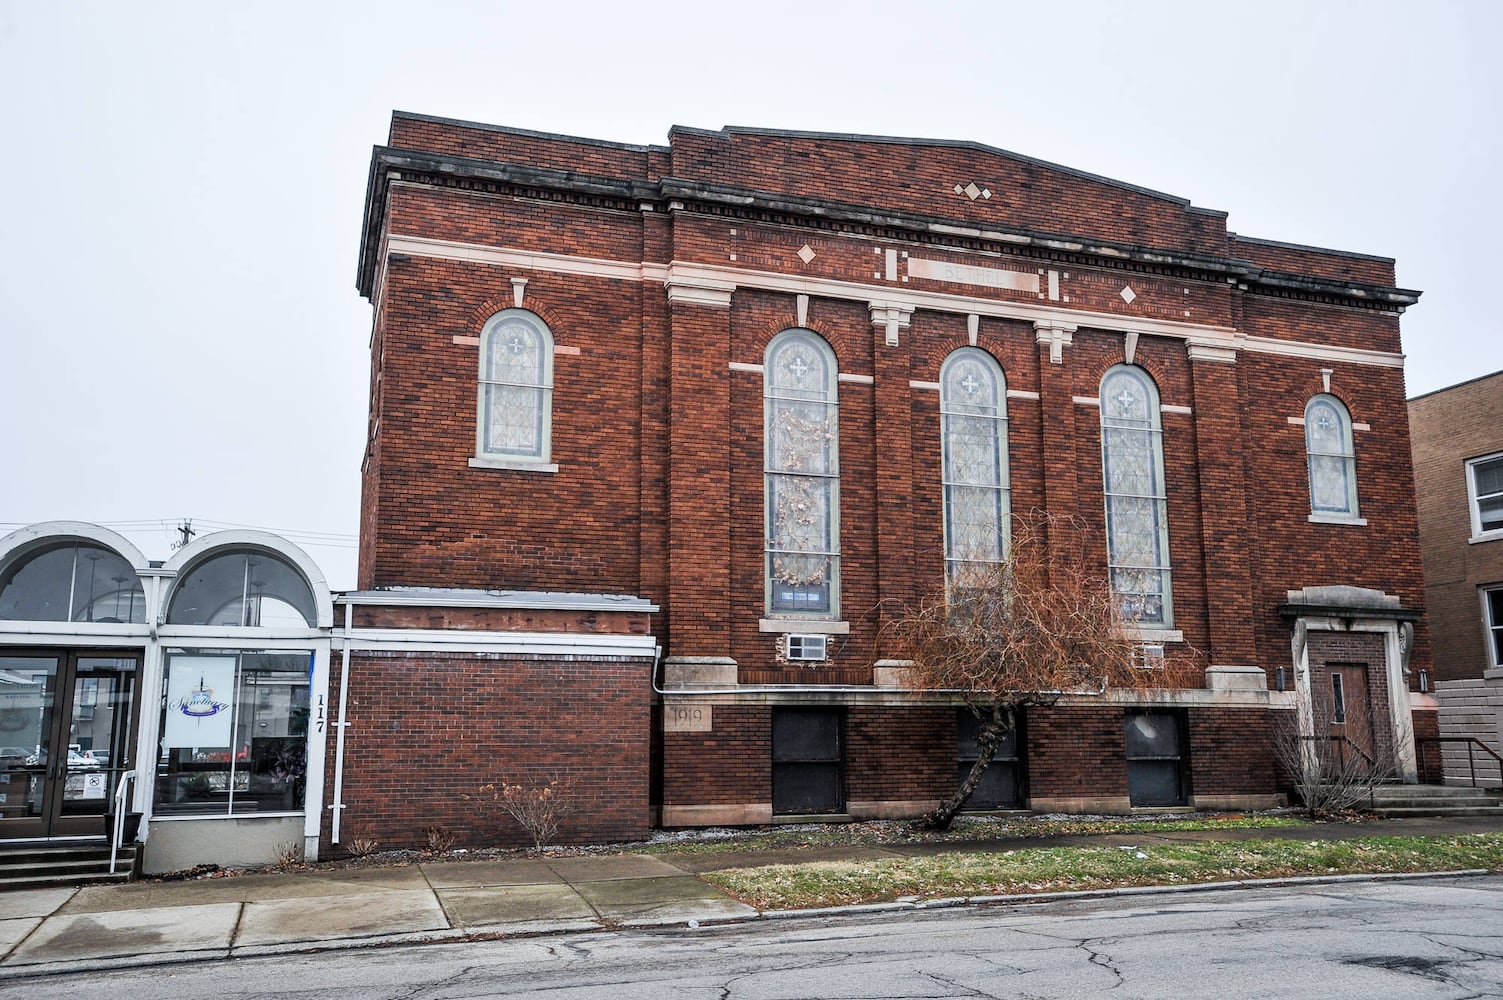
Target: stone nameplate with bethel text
965, 274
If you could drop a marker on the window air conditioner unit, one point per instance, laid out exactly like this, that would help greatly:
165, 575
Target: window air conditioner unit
807, 647
1151, 657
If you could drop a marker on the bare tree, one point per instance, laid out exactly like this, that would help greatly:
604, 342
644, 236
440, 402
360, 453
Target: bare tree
1330, 771
1042, 624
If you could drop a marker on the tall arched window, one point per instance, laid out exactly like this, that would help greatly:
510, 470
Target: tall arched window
1333, 462
973, 428
1137, 508
802, 475
516, 388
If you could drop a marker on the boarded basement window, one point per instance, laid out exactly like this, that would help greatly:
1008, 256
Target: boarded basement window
1156, 759
807, 762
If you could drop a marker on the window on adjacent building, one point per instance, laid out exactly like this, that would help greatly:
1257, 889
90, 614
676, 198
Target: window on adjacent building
1484, 480
973, 418
1137, 507
516, 388
802, 475
1333, 463
1492, 612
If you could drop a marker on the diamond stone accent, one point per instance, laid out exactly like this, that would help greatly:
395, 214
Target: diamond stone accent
986, 192
1127, 294
959, 189
806, 253
972, 191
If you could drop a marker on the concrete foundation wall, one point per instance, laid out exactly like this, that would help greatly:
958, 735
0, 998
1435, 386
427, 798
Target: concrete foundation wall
172, 845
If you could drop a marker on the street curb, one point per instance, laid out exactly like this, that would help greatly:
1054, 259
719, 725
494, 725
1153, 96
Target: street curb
498, 932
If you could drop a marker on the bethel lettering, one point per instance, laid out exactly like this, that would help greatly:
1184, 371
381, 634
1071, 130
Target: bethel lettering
966, 274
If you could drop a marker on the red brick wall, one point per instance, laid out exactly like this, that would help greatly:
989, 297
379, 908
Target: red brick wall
731, 765
904, 754
1427, 727
920, 178
1074, 752
427, 730
1232, 751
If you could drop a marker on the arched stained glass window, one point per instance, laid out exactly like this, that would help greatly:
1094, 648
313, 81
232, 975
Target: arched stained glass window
516, 388
244, 588
1137, 508
973, 429
1333, 462
73, 582
802, 475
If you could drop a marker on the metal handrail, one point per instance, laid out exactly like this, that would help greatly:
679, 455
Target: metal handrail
1471, 742
119, 831
1346, 741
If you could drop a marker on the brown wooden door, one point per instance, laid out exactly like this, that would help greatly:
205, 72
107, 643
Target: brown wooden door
1351, 714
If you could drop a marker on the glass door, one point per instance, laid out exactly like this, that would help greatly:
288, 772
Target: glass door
66, 722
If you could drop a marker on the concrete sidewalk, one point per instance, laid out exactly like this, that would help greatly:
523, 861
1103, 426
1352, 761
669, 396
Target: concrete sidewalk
145, 923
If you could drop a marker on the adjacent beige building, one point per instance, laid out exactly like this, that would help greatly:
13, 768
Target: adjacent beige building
1457, 435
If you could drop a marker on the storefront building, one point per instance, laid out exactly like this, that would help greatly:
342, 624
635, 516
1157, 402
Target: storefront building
182, 692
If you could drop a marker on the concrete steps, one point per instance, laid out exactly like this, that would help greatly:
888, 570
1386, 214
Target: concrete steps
50, 866
1397, 801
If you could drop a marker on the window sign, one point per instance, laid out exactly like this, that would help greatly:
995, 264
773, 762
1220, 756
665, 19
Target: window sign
200, 693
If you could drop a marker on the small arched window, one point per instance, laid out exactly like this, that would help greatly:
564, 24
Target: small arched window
243, 588
1332, 460
516, 389
73, 582
1137, 505
802, 475
973, 419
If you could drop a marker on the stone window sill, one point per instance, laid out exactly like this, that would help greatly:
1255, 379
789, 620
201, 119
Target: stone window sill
511, 464
1154, 635
1486, 536
811, 626
1357, 522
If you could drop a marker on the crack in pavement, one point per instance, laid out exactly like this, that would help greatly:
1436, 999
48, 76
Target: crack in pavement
423, 989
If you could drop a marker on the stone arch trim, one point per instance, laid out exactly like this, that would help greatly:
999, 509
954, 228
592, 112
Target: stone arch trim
24, 541
264, 541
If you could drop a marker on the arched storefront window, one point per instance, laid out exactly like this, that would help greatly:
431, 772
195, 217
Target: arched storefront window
244, 588
973, 415
76, 581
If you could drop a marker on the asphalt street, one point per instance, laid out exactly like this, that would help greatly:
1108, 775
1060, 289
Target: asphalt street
1411, 939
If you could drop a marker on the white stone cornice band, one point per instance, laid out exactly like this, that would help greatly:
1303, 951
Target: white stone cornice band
712, 285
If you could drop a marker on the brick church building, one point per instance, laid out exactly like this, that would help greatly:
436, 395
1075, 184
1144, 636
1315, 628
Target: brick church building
661, 435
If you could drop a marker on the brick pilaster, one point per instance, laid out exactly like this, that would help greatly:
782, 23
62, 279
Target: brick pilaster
1224, 527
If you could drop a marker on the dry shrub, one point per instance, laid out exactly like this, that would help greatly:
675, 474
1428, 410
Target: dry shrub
536, 807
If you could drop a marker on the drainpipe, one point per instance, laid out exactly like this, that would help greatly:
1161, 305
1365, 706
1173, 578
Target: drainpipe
344, 696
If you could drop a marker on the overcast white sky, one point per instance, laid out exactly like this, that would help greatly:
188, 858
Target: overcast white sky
180, 334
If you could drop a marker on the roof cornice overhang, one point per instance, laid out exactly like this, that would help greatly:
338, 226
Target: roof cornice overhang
671, 194
1391, 613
